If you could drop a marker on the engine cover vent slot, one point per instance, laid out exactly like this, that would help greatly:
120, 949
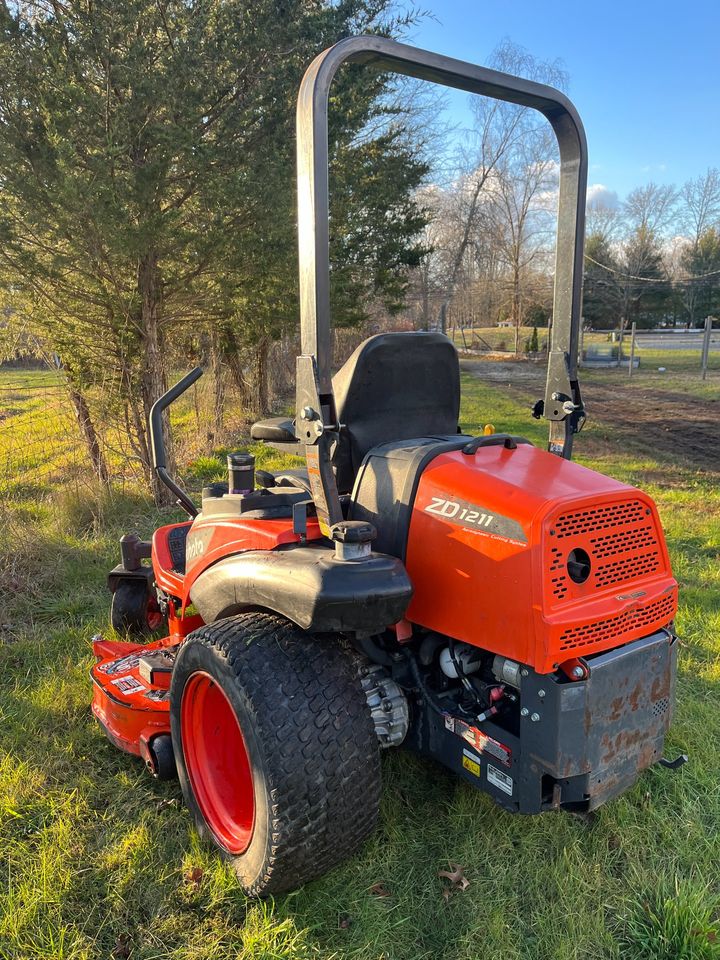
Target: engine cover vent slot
655, 615
598, 519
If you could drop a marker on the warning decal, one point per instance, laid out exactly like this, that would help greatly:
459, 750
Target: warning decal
128, 685
479, 740
501, 780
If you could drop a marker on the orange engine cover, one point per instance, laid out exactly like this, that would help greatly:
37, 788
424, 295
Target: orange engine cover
489, 542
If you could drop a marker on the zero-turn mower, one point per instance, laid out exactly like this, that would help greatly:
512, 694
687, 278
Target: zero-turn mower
480, 601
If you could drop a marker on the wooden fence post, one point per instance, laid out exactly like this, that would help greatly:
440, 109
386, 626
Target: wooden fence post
706, 347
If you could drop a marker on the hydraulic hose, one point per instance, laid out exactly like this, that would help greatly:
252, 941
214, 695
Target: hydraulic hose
422, 686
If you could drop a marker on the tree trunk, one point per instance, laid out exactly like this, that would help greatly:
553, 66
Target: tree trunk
442, 318
460, 252
153, 382
260, 381
89, 434
516, 308
230, 350
218, 379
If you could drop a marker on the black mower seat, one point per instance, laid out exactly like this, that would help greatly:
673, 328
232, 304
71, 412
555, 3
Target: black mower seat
395, 386
275, 429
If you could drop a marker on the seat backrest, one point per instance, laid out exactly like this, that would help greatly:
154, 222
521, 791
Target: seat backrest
395, 386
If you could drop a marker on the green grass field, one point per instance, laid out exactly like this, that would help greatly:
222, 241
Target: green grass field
99, 861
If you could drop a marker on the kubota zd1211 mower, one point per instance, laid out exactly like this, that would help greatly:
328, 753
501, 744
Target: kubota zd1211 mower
477, 600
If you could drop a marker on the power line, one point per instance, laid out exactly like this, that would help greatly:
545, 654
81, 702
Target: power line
629, 276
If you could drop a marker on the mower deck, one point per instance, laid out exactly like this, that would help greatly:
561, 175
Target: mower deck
131, 709
131, 683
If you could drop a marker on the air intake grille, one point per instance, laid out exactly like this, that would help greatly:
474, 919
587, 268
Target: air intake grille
625, 540
655, 614
599, 519
626, 569
619, 538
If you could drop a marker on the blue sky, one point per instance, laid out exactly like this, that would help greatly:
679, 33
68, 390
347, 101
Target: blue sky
645, 76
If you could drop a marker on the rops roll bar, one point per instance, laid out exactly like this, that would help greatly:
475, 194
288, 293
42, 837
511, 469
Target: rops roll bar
316, 418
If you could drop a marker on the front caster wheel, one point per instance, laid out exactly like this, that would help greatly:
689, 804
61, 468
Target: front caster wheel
162, 758
134, 608
275, 748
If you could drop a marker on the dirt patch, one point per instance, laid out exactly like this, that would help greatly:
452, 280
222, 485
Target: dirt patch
505, 371
664, 424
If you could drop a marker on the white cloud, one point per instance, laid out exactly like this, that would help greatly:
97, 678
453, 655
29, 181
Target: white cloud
599, 195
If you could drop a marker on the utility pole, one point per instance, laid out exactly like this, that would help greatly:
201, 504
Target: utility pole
632, 350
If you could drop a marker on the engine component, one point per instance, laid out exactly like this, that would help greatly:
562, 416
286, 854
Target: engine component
507, 671
388, 705
459, 659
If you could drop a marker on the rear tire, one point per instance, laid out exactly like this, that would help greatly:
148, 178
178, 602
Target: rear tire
294, 788
134, 609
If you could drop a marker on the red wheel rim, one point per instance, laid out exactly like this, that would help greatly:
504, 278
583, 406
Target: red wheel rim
217, 762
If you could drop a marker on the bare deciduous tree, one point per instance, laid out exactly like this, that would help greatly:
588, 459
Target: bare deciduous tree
500, 131
700, 200
651, 208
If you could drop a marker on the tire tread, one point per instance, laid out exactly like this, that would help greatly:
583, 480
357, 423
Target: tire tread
320, 752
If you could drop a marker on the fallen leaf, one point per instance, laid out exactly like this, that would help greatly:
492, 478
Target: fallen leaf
193, 876
121, 950
379, 890
456, 876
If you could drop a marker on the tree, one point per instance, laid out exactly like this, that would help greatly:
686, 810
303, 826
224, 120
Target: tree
701, 263
602, 293
148, 181
644, 280
603, 221
503, 134
651, 208
700, 200
521, 220
645, 285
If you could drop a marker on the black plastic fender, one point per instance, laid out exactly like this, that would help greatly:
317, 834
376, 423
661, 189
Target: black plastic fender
308, 585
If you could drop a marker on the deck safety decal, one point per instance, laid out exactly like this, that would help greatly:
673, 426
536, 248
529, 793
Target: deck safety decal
128, 685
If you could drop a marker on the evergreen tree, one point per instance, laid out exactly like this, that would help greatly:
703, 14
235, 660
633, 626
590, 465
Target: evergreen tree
646, 291
602, 296
701, 261
148, 181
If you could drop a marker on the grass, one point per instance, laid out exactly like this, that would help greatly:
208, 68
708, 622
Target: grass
99, 861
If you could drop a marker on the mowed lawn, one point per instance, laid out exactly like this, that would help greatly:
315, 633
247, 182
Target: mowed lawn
99, 861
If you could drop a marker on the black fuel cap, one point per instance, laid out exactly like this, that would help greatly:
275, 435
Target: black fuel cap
353, 531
